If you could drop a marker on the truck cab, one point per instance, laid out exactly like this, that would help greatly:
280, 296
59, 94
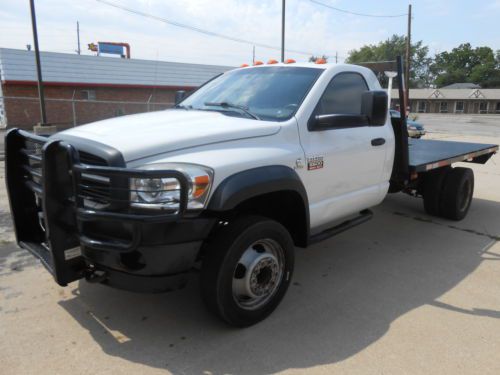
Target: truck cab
254, 163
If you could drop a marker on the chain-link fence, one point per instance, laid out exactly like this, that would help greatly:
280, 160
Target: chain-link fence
24, 111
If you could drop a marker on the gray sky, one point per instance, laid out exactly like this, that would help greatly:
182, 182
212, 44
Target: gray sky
441, 24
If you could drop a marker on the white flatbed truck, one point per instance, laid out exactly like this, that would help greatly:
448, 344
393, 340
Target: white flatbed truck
255, 162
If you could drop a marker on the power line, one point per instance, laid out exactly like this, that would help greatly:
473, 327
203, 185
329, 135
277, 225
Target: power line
197, 29
358, 14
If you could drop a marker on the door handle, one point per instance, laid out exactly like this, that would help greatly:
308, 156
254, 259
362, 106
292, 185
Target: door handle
378, 141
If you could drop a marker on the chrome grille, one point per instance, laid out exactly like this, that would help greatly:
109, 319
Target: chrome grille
90, 159
33, 166
95, 190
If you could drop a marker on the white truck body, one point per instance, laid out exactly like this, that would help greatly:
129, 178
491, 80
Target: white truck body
355, 175
252, 164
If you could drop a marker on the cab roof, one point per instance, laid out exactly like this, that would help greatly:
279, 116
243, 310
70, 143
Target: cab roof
325, 66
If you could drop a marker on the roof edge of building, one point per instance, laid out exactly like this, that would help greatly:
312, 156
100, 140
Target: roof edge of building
90, 84
109, 58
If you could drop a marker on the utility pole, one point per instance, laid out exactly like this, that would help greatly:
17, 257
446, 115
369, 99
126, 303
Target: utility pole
283, 31
38, 66
78, 36
336, 57
407, 65
253, 55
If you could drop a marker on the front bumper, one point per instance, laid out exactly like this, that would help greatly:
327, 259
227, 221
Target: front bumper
49, 191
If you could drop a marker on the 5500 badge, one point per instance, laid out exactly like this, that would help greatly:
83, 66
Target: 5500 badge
315, 162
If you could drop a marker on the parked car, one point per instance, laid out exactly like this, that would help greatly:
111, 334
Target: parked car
415, 129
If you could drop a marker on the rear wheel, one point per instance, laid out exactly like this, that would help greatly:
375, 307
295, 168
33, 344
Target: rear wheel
457, 193
432, 190
247, 268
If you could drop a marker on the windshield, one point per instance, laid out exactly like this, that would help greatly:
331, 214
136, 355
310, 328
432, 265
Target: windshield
267, 93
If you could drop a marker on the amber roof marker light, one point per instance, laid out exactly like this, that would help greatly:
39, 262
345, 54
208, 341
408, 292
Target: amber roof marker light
243, 65
320, 61
258, 63
272, 61
290, 61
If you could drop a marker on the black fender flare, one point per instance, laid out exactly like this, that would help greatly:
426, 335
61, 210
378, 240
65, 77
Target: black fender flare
250, 183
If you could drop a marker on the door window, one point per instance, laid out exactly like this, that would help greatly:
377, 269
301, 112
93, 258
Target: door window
343, 95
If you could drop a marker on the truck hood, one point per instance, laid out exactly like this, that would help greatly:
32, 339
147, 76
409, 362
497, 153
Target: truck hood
144, 135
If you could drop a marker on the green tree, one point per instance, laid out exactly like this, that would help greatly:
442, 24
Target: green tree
388, 50
466, 64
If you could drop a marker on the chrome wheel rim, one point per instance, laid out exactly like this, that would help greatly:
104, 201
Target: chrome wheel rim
258, 274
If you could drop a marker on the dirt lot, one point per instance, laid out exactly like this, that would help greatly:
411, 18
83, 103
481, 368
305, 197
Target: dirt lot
403, 293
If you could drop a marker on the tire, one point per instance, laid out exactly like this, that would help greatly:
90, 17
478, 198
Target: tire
432, 190
247, 269
457, 193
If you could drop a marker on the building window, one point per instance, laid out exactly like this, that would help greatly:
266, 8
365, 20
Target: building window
88, 94
443, 107
459, 107
497, 109
483, 107
422, 107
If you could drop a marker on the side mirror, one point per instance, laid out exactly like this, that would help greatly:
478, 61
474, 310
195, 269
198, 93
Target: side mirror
374, 106
179, 96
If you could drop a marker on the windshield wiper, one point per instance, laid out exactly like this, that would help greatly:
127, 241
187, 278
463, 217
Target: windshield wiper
231, 105
182, 106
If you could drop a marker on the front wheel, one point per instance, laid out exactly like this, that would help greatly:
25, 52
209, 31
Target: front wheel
247, 269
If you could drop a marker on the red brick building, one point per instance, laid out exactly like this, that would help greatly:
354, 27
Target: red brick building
80, 89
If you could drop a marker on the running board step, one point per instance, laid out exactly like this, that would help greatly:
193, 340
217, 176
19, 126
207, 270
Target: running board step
364, 216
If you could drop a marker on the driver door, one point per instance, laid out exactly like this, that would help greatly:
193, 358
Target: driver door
344, 165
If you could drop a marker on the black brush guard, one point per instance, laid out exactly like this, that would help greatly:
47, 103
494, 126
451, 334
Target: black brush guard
47, 189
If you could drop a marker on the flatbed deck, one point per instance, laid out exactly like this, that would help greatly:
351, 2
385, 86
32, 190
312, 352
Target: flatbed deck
427, 154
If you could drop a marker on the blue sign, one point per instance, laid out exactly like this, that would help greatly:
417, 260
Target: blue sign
110, 48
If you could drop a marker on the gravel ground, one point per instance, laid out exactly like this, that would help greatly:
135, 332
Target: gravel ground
473, 125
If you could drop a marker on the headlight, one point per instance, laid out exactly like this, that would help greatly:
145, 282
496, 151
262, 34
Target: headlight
164, 193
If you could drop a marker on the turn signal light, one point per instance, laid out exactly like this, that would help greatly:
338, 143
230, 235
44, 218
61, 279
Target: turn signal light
272, 61
290, 61
320, 61
258, 63
201, 184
